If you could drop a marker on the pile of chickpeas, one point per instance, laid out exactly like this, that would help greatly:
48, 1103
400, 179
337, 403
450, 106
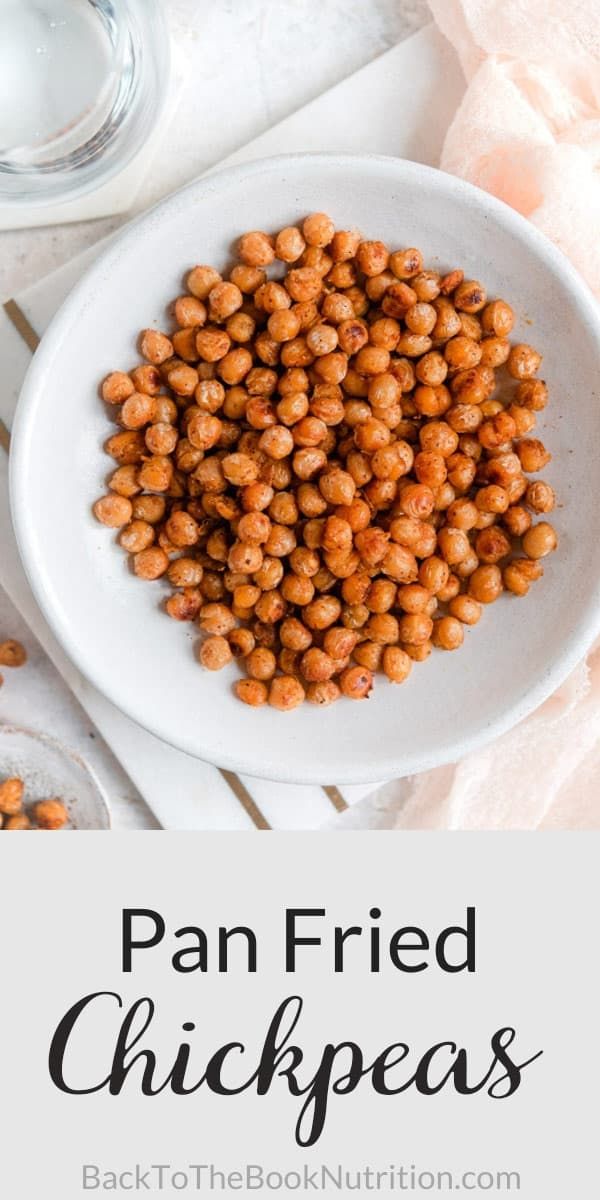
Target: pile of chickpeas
44, 814
328, 459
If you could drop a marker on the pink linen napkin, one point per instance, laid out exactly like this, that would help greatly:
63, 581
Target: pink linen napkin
528, 130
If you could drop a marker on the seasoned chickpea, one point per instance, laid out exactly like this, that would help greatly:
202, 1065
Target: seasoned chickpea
17, 823
11, 796
465, 608
356, 682
215, 653
136, 536
113, 510
117, 387
540, 497
396, 664
415, 628
137, 411
318, 229
540, 540
485, 584
156, 473
523, 361
155, 346
517, 520
285, 693
533, 455
150, 563
323, 693
447, 633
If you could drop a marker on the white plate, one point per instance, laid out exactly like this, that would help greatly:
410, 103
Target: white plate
50, 771
111, 623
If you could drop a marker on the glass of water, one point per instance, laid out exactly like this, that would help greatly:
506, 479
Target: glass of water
82, 84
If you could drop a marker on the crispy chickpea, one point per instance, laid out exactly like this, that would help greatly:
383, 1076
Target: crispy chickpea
322, 612
523, 361
469, 296
447, 633
147, 379
318, 229
382, 627
356, 682
517, 520
11, 796
156, 473
269, 574
149, 508
137, 411
323, 693
215, 653
124, 481
285, 693
540, 540
251, 691
485, 584
492, 545
316, 665
533, 455
396, 664
150, 563
289, 244
415, 628
261, 663
540, 497
185, 573
136, 536
453, 544
17, 823
465, 609
156, 347
277, 442
113, 510
434, 573
117, 387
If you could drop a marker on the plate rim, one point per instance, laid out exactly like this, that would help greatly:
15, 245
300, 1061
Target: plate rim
575, 645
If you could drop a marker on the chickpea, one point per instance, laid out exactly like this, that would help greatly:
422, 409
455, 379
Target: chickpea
485, 584
415, 628
322, 612
285, 693
540, 497
492, 499
517, 520
155, 347
11, 796
251, 691
146, 379
277, 442
185, 573
215, 653
382, 627
117, 387
136, 536
269, 574
137, 411
150, 563
453, 544
113, 510
464, 608
540, 540
492, 545
323, 693
318, 229
533, 455
17, 823
156, 473
149, 508
356, 682
447, 633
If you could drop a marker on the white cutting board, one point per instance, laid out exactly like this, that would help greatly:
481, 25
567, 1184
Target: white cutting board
400, 104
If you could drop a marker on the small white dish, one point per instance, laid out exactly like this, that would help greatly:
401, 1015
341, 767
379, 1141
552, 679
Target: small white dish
51, 771
111, 623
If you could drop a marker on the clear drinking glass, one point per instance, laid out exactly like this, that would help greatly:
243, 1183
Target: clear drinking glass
82, 84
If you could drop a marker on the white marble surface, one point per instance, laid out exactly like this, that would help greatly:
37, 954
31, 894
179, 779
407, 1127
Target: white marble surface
249, 64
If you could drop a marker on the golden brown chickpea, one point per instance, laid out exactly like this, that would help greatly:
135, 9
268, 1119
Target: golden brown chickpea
494, 351
156, 347
382, 627
323, 693
156, 473
369, 654
430, 468
289, 244
261, 663
469, 296
517, 520
185, 572
270, 574
492, 499
396, 664
400, 564
11, 796
318, 229
356, 682
149, 508
540, 540
415, 628
464, 608
434, 573
485, 584
492, 545
137, 411
124, 481
215, 653
322, 612
185, 605
447, 633
117, 387
277, 442
523, 362
256, 249
113, 510
150, 563
17, 823
285, 693
532, 454
454, 545
540, 497
251, 691
317, 666
136, 536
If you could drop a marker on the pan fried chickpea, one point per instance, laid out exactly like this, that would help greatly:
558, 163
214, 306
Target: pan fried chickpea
113, 510
323, 693
356, 683
447, 633
523, 361
212, 344
256, 249
372, 257
533, 455
285, 693
117, 387
124, 481
322, 612
532, 394
382, 627
185, 605
136, 536
317, 666
215, 653
399, 564
318, 229
161, 439
185, 573
494, 351
492, 545
137, 411
540, 540
540, 497
150, 563
469, 296
297, 589
415, 628
413, 598
182, 529
156, 347
485, 584
147, 379
461, 353
453, 544
11, 796
156, 473
149, 508
517, 520
277, 442
17, 823
251, 692
492, 499
448, 324
465, 609
289, 244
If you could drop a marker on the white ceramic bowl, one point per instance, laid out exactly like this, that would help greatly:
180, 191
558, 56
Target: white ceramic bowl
111, 623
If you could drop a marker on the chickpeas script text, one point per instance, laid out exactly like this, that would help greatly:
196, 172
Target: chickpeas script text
312, 1077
